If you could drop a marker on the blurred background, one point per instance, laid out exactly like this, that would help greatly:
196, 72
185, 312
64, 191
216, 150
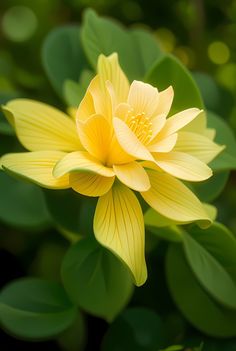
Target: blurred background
201, 33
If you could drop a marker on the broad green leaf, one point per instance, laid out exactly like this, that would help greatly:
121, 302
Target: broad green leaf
63, 56
71, 211
173, 348
211, 253
22, 204
137, 49
196, 305
224, 136
74, 338
73, 93
169, 71
35, 309
161, 226
136, 329
95, 279
210, 189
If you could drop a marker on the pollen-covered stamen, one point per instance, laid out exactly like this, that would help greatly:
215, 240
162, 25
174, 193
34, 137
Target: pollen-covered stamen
140, 125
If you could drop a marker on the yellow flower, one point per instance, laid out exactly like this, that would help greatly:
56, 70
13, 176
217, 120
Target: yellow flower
120, 140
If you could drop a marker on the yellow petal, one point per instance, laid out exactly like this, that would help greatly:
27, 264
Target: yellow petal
133, 175
119, 226
129, 142
81, 161
90, 184
143, 98
198, 146
95, 135
42, 127
164, 145
72, 112
183, 166
173, 199
97, 100
165, 101
157, 125
36, 166
110, 70
210, 133
122, 111
198, 124
178, 121
86, 107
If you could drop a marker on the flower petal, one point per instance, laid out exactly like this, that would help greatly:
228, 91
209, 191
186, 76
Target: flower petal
129, 142
164, 145
143, 97
90, 184
172, 199
36, 166
183, 166
86, 107
81, 161
119, 226
157, 125
133, 175
178, 121
110, 70
165, 101
42, 127
96, 135
198, 146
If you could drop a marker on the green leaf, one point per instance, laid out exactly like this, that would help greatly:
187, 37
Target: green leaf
71, 211
196, 305
95, 279
35, 309
224, 136
211, 253
162, 227
169, 71
173, 348
72, 92
137, 49
210, 189
63, 56
136, 329
22, 204
74, 338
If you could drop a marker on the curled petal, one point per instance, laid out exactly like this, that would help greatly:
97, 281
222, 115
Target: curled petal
36, 166
81, 161
90, 184
133, 175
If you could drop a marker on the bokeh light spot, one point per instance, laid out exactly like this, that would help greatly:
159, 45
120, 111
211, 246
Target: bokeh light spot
166, 39
218, 52
19, 23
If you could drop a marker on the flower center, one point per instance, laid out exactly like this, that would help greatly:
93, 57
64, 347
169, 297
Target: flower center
140, 125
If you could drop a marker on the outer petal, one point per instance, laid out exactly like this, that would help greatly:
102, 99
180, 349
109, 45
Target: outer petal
178, 121
36, 166
110, 70
96, 135
90, 184
97, 100
143, 97
133, 175
173, 199
81, 161
42, 127
129, 142
164, 145
165, 101
198, 146
183, 166
118, 225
